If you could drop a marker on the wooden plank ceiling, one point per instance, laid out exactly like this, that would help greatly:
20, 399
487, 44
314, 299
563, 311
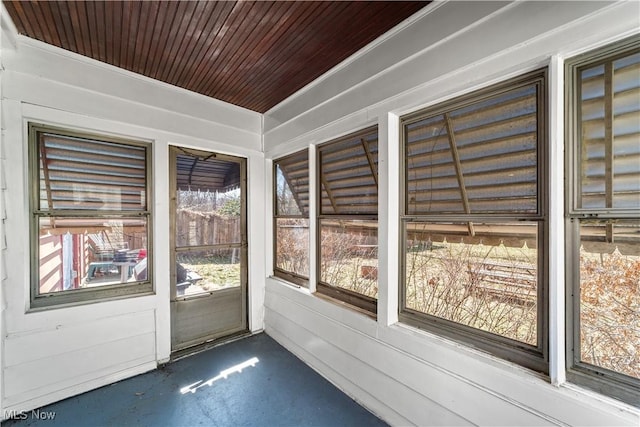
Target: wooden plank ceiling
251, 54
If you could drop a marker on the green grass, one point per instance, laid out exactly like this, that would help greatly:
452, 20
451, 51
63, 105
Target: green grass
216, 272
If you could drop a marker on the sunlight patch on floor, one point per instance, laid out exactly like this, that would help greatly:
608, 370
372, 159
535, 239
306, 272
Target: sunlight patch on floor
192, 388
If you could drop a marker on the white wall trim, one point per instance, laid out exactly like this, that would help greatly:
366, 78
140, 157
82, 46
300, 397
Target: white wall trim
556, 246
313, 214
388, 218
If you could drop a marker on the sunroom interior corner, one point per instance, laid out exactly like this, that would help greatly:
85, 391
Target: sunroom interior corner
441, 140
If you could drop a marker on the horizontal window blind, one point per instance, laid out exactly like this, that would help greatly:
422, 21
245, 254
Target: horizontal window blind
610, 133
349, 175
480, 158
292, 184
83, 174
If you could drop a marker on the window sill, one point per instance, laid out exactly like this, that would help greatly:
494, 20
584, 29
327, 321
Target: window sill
279, 279
40, 305
344, 304
599, 399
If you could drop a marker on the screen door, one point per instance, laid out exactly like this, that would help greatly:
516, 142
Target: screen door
209, 247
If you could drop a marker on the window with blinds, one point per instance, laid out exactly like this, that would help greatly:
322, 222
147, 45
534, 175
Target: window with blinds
291, 217
609, 152
348, 219
474, 219
603, 219
478, 159
91, 217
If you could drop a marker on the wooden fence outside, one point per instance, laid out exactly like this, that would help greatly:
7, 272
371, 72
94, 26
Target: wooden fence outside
200, 228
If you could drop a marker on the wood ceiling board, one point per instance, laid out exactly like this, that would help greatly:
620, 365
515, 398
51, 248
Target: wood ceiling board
253, 54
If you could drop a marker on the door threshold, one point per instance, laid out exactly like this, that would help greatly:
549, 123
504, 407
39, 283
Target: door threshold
199, 348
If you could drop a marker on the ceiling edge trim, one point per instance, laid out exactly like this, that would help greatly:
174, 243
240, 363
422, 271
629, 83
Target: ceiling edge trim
55, 50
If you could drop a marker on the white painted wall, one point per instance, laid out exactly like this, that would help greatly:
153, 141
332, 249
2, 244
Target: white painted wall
405, 375
52, 354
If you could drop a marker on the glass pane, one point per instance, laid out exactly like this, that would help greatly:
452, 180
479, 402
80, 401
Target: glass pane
479, 275
610, 151
292, 184
208, 200
610, 295
204, 271
349, 255
88, 252
207, 217
84, 174
292, 245
481, 158
349, 175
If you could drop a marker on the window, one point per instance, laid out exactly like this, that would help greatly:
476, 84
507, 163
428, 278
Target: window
474, 220
291, 217
603, 220
348, 219
90, 217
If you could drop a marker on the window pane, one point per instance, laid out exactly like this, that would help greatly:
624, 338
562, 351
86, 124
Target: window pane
349, 255
292, 184
208, 203
292, 245
203, 271
488, 281
610, 295
610, 127
208, 217
349, 175
79, 253
481, 158
84, 174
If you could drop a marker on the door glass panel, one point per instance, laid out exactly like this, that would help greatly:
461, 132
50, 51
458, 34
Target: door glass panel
207, 202
205, 271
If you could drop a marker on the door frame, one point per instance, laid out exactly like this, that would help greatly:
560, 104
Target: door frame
174, 150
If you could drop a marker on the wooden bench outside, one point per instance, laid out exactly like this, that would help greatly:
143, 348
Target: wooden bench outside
512, 282
368, 251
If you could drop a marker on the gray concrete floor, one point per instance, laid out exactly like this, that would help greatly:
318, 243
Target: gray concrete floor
277, 389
